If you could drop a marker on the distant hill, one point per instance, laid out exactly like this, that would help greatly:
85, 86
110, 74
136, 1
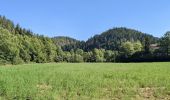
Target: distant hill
112, 39
68, 43
63, 40
109, 40
20, 45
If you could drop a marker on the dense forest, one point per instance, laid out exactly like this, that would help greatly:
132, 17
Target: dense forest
20, 45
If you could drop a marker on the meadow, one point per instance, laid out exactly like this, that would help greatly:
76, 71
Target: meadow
85, 81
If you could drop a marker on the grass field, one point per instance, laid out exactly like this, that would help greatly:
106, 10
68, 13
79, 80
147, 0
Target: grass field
65, 81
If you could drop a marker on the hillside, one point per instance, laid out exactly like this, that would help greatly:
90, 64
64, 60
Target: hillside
112, 39
109, 40
68, 43
20, 45
63, 40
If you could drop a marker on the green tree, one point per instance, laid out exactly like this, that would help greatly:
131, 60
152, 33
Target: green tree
78, 58
59, 54
67, 57
127, 48
24, 48
37, 54
165, 44
49, 49
147, 45
110, 56
79, 51
98, 55
137, 46
88, 57
9, 52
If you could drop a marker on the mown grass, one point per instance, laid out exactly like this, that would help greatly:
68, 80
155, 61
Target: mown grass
85, 81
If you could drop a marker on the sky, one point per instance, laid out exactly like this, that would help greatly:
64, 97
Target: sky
82, 19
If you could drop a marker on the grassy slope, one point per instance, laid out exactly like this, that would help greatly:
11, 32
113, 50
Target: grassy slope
85, 81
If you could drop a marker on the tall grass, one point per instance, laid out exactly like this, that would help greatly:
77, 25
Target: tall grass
83, 81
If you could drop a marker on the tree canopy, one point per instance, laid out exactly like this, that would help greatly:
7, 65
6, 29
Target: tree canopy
20, 45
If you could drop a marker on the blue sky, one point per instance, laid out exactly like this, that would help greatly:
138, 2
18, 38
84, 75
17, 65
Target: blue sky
81, 19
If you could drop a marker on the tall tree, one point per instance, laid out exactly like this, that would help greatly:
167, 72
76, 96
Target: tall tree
9, 51
98, 55
147, 45
110, 56
137, 46
127, 48
165, 44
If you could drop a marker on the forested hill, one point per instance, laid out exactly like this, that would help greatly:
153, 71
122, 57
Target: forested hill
113, 38
68, 43
109, 40
63, 40
20, 45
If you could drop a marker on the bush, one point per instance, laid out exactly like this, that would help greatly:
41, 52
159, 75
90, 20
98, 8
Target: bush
17, 60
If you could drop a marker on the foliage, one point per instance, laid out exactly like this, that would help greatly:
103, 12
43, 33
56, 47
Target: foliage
20, 45
127, 48
165, 44
9, 49
147, 45
113, 38
137, 46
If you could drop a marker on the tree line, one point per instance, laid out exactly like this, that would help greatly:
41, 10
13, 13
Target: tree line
19, 45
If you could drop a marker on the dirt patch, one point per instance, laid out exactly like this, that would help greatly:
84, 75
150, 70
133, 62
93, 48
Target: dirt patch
146, 92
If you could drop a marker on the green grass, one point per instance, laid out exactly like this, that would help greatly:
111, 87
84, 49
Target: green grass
65, 81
